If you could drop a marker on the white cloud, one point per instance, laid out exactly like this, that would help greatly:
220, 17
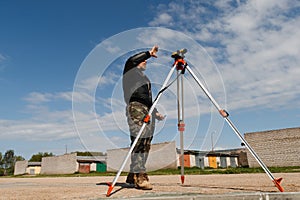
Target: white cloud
254, 43
162, 19
53, 124
81, 97
29, 130
111, 48
36, 97
90, 84
2, 57
51, 121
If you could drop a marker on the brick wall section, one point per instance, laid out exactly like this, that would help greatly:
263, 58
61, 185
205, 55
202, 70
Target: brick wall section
65, 164
20, 167
276, 147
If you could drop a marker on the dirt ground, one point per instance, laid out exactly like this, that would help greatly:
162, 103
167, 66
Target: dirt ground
96, 188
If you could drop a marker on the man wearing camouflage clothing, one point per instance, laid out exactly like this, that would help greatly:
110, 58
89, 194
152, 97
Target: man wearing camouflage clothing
138, 98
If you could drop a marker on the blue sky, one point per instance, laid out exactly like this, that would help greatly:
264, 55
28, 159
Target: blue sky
254, 46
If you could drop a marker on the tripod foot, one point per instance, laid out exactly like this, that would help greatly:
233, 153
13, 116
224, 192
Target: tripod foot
277, 184
110, 188
182, 179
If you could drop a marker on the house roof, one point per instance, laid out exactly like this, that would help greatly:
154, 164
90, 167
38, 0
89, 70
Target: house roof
91, 158
34, 164
226, 152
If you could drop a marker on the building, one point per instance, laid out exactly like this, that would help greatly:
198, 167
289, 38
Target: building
214, 159
34, 168
87, 164
167, 156
162, 156
63, 164
25, 167
276, 148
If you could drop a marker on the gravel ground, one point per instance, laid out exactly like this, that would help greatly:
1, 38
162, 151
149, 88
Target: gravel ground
96, 188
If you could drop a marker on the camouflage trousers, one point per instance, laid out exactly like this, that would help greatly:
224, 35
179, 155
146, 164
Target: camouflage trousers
135, 113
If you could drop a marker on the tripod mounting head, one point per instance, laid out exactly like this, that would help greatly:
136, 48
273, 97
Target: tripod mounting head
179, 54
179, 59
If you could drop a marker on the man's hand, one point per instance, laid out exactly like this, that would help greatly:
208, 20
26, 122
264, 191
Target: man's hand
153, 51
159, 116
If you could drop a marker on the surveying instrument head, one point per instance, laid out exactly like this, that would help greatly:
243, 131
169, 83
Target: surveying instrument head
179, 54
179, 59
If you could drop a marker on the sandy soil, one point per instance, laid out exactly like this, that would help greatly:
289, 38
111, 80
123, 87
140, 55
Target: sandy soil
96, 188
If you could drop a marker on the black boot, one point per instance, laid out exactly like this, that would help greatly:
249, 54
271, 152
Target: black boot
131, 178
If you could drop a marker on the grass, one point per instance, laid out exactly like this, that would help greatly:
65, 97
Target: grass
238, 170
187, 171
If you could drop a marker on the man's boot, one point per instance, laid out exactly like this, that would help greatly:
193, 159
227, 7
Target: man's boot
131, 178
143, 182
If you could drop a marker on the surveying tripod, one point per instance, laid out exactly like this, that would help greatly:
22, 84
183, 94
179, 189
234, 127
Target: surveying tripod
181, 66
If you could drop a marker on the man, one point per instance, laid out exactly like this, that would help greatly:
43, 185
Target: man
138, 98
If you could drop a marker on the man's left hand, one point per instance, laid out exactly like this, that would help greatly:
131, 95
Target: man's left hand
159, 116
153, 51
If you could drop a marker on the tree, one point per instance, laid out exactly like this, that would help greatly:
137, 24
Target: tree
1, 160
38, 157
7, 162
19, 158
1, 165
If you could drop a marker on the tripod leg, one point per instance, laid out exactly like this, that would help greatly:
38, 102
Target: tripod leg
112, 184
265, 168
225, 115
181, 125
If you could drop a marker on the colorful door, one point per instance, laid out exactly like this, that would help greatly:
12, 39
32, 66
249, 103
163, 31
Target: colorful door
212, 161
101, 167
84, 168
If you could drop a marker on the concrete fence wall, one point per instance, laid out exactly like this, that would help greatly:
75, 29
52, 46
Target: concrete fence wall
275, 148
65, 164
162, 155
20, 167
